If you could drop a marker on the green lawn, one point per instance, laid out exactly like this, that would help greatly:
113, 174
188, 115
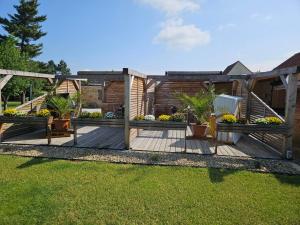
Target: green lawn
43, 191
12, 104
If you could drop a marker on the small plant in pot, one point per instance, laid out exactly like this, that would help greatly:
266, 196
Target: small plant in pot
62, 108
201, 106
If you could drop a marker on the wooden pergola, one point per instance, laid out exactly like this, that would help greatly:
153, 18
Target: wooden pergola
289, 77
51, 78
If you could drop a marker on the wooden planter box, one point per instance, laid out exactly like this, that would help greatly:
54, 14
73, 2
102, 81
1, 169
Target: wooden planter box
98, 122
28, 120
252, 128
144, 124
23, 119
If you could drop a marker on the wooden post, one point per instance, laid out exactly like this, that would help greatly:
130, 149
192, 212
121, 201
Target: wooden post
127, 86
75, 132
290, 108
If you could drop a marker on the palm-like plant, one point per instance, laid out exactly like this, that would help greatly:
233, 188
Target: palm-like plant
201, 104
61, 105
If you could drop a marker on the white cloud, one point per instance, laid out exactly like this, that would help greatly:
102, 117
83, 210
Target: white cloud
178, 35
226, 26
172, 7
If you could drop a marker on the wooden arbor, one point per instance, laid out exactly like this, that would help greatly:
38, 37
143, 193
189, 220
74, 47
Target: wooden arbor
288, 75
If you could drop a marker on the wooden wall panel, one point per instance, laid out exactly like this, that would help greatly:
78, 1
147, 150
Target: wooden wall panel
165, 94
67, 86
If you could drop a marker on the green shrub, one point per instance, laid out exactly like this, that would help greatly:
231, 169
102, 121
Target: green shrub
164, 117
43, 113
96, 115
91, 115
13, 112
177, 117
139, 117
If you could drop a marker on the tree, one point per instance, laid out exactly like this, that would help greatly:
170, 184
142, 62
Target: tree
11, 58
25, 26
62, 68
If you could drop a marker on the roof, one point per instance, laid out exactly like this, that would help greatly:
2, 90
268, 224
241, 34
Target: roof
292, 61
242, 69
229, 68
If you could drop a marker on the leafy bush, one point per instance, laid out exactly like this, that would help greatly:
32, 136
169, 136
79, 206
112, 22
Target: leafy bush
269, 120
109, 115
96, 115
201, 104
273, 120
84, 115
62, 106
150, 117
261, 121
229, 118
139, 117
10, 112
91, 115
13, 112
177, 117
43, 113
164, 117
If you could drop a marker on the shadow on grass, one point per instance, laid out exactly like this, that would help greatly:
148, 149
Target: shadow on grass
35, 161
217, 175
288, 179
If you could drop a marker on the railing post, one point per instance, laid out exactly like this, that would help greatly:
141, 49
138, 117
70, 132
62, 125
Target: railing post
290, 109
127, 90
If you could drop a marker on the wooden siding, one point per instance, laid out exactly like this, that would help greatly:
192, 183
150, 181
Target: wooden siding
165, 94
137, 102
113, 96
67, 86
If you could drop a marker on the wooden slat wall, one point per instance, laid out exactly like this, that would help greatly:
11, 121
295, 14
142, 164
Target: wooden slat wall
242, 92
137, 101
67, 86
296, 138
113, 96
165, 94
259, 110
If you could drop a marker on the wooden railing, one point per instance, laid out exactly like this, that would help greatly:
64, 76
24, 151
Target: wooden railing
29, 106
259, 109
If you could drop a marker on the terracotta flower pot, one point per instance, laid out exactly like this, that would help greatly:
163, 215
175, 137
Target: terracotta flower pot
61, 124
199, 131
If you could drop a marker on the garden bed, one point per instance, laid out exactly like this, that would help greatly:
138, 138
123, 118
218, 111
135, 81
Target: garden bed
252, 128
24, 119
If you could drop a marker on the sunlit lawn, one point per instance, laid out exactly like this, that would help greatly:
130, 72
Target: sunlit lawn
43, 191
12, 105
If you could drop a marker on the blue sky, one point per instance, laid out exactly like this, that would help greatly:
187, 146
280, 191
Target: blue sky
153, 36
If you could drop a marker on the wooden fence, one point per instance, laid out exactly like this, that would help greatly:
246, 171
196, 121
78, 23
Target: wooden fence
259, 109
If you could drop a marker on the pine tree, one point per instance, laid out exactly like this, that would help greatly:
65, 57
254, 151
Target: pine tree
25, 26
62, 68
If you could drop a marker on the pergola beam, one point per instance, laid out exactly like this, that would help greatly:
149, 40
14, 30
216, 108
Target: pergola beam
26, 74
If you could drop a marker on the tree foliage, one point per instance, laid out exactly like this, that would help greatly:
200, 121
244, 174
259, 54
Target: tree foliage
25, 26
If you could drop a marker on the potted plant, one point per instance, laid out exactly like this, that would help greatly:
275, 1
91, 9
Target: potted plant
62, 107
201, 106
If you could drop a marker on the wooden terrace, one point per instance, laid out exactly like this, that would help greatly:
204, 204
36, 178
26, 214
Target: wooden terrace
149, 140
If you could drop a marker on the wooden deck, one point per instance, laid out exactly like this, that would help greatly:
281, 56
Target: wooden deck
149, 140
88, 136
173, 141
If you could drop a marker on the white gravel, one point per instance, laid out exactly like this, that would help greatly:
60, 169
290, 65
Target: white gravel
153, 158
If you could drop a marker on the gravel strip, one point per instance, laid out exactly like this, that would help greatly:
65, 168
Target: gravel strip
153, 158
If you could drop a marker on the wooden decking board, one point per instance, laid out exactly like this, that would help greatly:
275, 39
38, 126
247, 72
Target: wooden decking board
165, 141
